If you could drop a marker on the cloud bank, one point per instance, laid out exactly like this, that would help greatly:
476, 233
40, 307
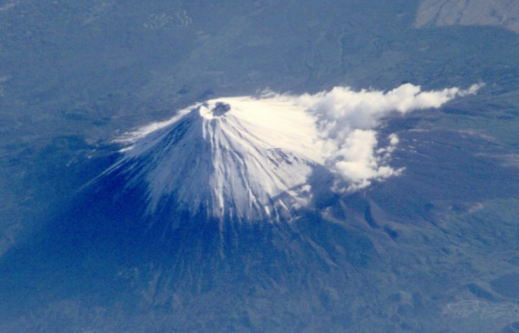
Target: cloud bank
336, 128
347, 121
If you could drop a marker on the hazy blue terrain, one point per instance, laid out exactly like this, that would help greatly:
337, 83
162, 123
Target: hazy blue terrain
432, 250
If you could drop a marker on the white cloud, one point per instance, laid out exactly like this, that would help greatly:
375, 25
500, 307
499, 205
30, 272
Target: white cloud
344, 108
347, 121
359, 161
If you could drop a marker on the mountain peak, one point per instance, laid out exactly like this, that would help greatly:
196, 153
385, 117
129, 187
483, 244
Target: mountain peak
227, 158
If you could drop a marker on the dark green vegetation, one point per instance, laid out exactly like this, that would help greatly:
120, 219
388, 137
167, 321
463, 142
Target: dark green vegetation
434, 250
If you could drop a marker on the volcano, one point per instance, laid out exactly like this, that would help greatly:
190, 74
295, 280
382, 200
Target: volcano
249, 159
227, 158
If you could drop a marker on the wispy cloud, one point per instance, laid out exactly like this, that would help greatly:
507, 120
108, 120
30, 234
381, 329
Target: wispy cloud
347, 121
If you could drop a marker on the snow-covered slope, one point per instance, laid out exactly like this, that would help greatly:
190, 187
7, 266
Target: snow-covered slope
227, 158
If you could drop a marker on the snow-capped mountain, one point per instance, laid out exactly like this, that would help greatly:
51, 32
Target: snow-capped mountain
229, 158
248, 159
